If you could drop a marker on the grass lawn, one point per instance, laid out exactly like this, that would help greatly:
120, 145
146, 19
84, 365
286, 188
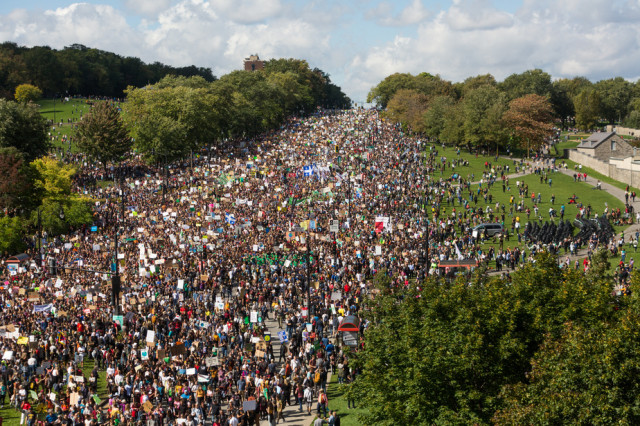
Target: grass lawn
338, 402
11, 417
476, 163
62, 112
592, 173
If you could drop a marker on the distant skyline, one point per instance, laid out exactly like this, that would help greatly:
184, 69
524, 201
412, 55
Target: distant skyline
357, 42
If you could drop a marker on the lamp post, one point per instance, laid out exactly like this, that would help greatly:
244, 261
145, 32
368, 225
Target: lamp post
115, 279
40, 254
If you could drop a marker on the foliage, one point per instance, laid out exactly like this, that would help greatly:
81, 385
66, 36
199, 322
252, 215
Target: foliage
443, 353
423, 83
587, 106
483, 108
80, 69
102, 136
16, 181
530, 119
589, 375
22, 127
615, 95
529, 82
433, 124
408, 107
77, 212
11, 235
169, 120
27, 93
632, 120
53, 178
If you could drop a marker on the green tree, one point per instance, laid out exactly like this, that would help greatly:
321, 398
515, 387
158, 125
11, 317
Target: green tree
483, 108
434, 118
384, 91
76, 212
615, 95
12, 232
587, 376
53, 179
529, 82
102, 135
168, 122
441, 353
587, 105
27, 93
530, 119
562, 101
453, 125
22, 127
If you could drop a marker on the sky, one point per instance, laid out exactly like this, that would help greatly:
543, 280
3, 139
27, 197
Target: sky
358, 42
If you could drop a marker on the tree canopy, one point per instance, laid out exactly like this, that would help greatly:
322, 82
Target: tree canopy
102, 135
78, 69
22, 127
464, 352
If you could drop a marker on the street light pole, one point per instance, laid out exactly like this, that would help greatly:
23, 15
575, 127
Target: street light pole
40, 254
115, 280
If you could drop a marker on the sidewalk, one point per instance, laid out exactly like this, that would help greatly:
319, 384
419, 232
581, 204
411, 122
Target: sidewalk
292, 417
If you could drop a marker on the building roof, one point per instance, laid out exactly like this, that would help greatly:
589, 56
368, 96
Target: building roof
595, 139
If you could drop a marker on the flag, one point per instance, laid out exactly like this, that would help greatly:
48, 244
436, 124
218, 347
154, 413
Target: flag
460, 256
381, 223
42, 308
202, 378
230, 218
308, 171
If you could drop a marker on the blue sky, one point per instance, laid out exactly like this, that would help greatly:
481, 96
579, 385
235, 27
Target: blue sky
357, 42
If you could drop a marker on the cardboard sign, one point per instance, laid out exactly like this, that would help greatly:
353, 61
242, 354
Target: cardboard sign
249, 405
147, 407
211, 361
178, 349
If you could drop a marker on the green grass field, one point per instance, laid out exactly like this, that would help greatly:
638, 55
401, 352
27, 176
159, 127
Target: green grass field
63, 112
11, 417
338, 402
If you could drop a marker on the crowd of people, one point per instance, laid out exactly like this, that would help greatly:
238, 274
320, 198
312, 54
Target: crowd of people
288, 228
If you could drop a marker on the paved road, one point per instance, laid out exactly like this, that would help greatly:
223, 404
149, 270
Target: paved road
292, 417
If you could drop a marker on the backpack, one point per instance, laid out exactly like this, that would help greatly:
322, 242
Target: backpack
316, 379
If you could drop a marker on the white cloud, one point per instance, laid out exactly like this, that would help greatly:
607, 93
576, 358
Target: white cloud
414, 13
149, 8
247, 11
569, 38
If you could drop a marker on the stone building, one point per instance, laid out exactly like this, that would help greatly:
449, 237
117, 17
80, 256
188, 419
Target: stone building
253, 63
604, 145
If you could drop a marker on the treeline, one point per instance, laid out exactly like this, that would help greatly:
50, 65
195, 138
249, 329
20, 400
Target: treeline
551, 346
471, 112
178, 114
78, 69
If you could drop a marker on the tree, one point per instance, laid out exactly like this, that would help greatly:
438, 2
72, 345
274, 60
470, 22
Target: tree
384, 91
562, 101
483, 109
52, 178
615, 95
102, 135
407, 107
529, 82
587, 376
453, 126
16, 182
167, 122
27, 93
22, 127
442, 353
434, 118
530, 120
587, 105
12, 234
